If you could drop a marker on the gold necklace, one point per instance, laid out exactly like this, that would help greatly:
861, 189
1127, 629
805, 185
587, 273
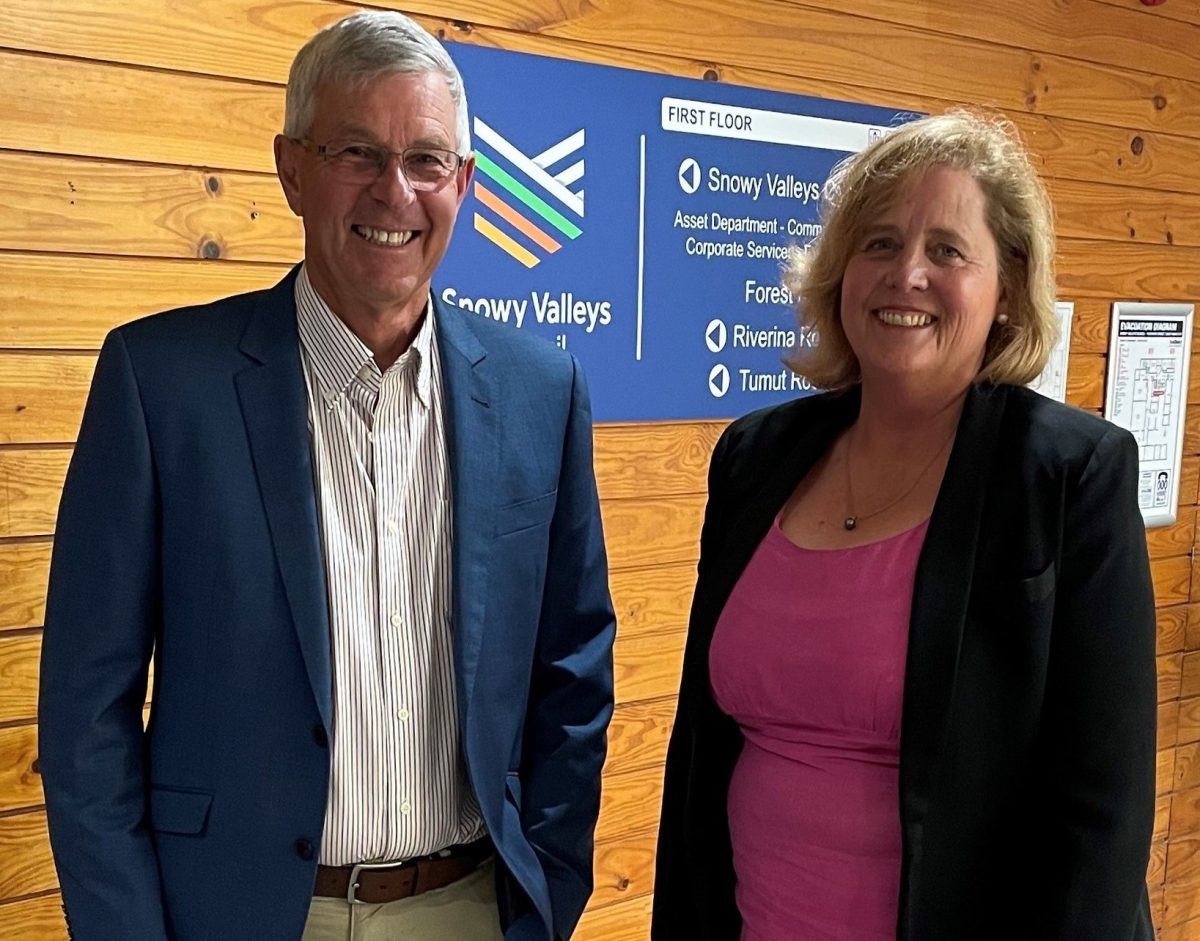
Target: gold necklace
853, 519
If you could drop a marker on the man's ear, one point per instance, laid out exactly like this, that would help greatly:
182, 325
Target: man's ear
287, 166
462, 182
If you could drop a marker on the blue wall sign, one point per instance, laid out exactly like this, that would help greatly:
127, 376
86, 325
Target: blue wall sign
642, 222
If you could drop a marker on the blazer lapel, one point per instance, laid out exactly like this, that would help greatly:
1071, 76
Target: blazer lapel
745, 525
940, 596
274, 409
473, 449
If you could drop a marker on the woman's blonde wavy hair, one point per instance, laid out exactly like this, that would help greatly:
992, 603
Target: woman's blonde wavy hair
1018, 214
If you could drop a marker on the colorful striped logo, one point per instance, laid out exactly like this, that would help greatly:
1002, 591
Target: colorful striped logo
525, 206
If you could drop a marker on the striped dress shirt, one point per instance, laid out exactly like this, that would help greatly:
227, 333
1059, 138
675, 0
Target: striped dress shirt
398, 787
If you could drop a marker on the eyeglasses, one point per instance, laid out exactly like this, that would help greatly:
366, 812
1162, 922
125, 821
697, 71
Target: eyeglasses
425, 168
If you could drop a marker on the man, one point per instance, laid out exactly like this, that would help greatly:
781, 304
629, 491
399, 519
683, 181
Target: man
359, 535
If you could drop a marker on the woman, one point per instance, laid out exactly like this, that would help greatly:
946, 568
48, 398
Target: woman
918, 697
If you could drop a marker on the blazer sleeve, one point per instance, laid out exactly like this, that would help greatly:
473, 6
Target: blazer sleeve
1100, 708
101, 614
571, 689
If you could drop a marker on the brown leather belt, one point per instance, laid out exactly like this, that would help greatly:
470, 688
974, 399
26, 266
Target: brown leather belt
388, 882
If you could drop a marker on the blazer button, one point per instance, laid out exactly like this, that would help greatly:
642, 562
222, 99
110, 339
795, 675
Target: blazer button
304, 849
319, 736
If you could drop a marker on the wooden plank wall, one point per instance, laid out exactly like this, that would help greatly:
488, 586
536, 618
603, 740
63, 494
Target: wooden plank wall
135, 174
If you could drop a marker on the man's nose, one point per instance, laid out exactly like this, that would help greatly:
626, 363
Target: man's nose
392, 186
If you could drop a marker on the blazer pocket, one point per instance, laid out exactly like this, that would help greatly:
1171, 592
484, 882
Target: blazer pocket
173, 811
1004, 592
525, 514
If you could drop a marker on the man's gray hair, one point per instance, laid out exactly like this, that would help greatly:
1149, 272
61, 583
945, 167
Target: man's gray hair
362, 47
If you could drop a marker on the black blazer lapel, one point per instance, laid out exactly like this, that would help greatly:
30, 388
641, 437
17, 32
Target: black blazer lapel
275, 411
940, 597
812, 430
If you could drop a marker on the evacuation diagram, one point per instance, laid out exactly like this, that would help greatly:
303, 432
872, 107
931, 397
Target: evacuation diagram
1155, 391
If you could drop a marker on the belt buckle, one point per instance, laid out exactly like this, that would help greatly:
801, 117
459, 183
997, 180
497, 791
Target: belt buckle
352, 886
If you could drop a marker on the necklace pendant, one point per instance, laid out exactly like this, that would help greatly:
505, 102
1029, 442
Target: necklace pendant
850, 522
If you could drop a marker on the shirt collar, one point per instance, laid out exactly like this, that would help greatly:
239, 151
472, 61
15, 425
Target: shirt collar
339, 357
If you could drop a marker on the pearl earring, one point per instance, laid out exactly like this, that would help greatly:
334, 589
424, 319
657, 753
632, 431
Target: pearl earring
1002, 319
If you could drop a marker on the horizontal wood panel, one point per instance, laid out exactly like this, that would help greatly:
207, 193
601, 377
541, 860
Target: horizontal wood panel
634, 461
647, 667
1090, 31
829, 44
1164, 771
625, 921
652, 600
1172, 578
38, 919
20, 785
57, 302
24, 567
1170, 669
624, 869
19, 655
31, 481
1176, 538
26, 865
629, 803
655, 531
1171, 628
59, 204
90, 109
42, 396
1122, 214
212, 37
638, 735
1123, 272
1168, 724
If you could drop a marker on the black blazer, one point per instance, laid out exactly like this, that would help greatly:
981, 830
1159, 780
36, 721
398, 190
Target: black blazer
1028, 727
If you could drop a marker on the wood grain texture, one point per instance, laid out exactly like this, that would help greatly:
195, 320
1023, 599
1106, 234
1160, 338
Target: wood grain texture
42, 396
30, 484
663, 459
19, 655
648, 667
629, 803
94, 207
20, 785
26, 865
38, 919
24, 567
624, 921
638, 735
90, 109
652, 600
624, 869
70, 302
653, 531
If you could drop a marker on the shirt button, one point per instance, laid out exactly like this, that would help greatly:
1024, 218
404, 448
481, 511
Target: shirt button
403, 715
406, 808
371, 436
395, 619
304, 849
391, 525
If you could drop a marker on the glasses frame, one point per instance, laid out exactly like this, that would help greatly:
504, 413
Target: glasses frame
425, 186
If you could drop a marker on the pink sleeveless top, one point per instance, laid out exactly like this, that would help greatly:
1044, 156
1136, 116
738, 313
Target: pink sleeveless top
808, 657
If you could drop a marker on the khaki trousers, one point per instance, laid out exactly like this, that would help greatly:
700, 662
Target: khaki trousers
462, 911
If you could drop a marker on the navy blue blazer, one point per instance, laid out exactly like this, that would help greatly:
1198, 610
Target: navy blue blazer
188, 534
1028, 724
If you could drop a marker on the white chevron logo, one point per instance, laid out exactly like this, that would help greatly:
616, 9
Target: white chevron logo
540, 169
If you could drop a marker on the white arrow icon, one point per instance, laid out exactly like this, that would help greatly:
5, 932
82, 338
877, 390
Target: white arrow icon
689, 175
718, 380
715, 336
